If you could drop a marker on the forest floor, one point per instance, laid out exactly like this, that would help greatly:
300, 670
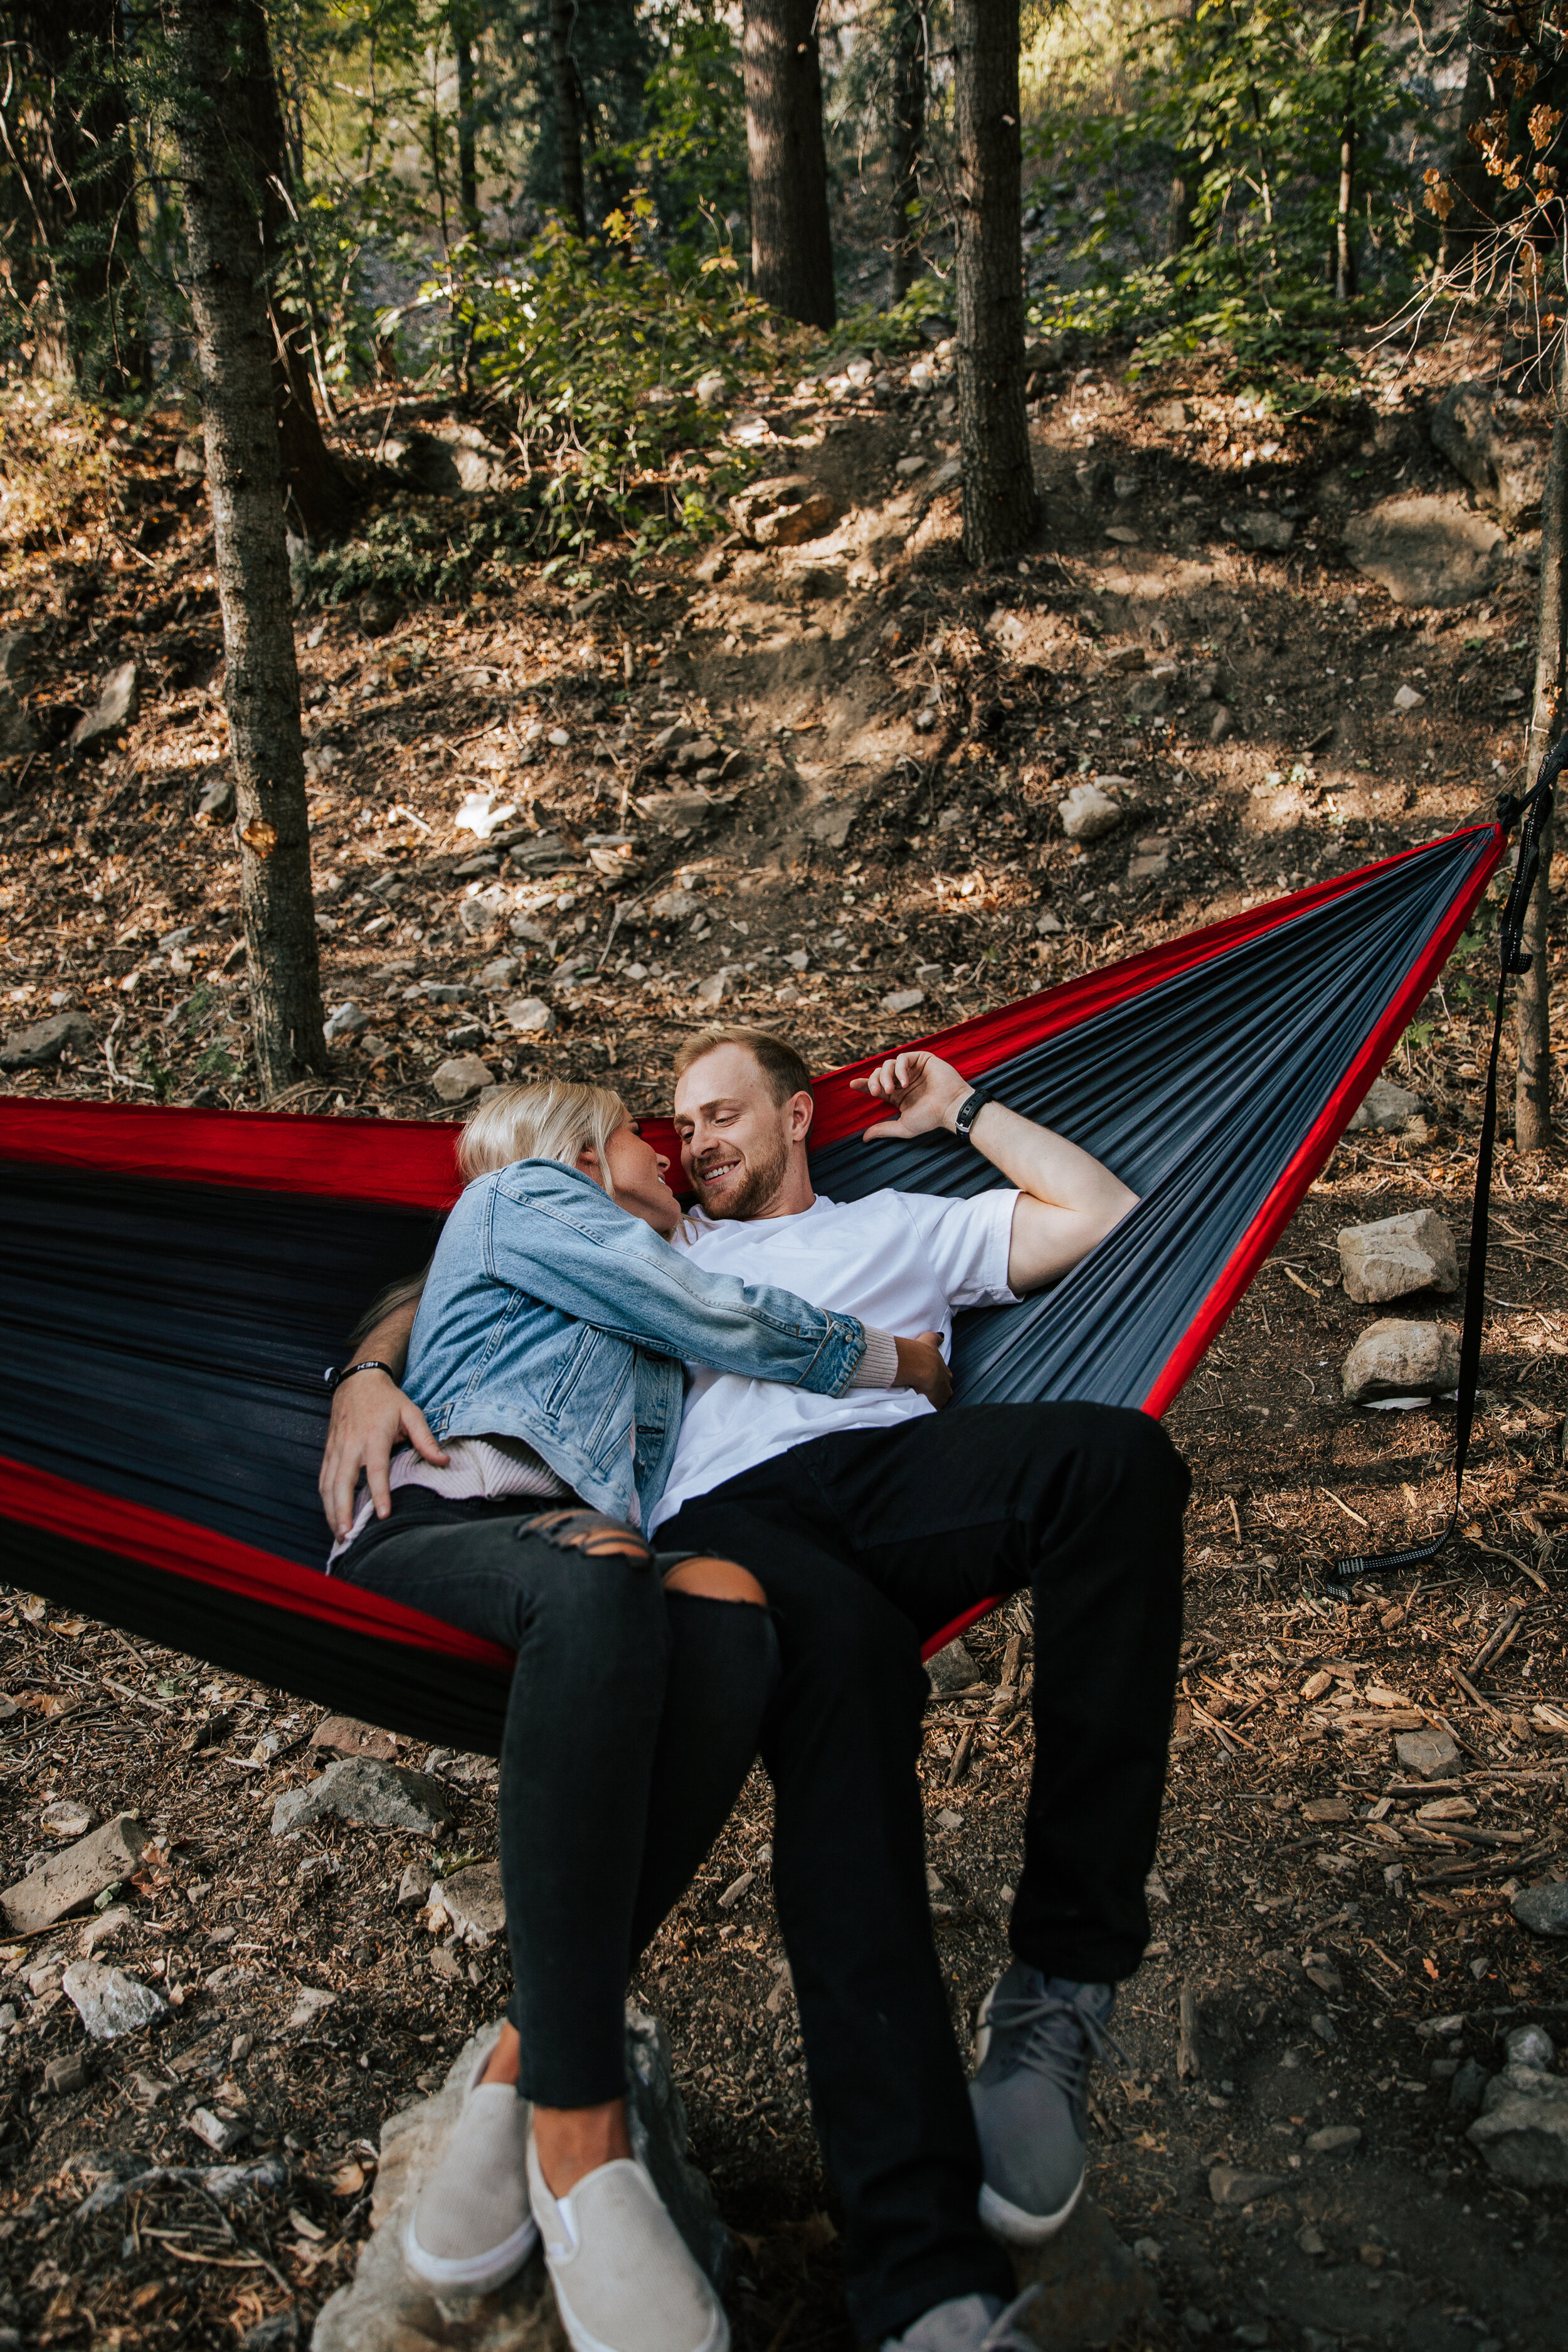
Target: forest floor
857, 803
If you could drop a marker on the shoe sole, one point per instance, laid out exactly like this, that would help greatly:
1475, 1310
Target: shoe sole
1016, 2228
716, 2340
475, 2273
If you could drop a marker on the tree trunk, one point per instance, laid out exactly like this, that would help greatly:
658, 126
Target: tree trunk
468, 149
1344, 251
999, 504
568, 111
792, 242
1532, 1004
907, 140
1469, 220
212, 57
1183, 189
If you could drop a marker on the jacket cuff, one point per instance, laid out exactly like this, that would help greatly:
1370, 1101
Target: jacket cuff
878, 1367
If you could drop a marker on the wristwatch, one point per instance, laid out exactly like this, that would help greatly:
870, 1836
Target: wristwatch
969, 1111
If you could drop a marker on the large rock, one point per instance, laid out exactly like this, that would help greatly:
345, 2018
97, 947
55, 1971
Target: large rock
783, 511
1089, 811
1425, 550
17, 733
1396, 1255
107, 2001
46, 1041
1385, 1106
377, 1796
1522, 2129
461, 1076
473, 1902
1092, 2289
1509, 473
1432, 1754
1544, 1908
115, 708
69, 1879
1397, 1358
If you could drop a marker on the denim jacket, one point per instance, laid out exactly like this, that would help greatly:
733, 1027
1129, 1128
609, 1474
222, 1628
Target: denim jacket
553, 1316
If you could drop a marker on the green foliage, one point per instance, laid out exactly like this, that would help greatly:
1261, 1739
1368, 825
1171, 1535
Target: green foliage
900, 328
425, 549
689, 153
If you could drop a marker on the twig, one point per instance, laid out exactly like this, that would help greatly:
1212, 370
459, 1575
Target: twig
1503, 1634
1344, 1508
1187, 2066
1472, 1694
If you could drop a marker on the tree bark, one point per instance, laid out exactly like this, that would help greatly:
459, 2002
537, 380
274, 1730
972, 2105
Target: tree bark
1533, 1002
907, 144
467, 147
792, 240
999, 503
1345, 269
568, 111
212, 57
1183, 189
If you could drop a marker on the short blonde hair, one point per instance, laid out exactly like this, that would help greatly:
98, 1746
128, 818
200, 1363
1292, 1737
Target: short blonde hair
552, 1120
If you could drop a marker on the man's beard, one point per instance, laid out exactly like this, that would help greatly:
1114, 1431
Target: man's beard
755, 1189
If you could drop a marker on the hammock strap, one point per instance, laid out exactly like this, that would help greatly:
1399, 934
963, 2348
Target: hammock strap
1534, 809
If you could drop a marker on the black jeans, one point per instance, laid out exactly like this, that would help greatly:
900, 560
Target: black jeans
634, 1717
867, 1543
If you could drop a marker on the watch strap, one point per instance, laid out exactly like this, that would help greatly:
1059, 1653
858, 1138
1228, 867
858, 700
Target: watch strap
969, 1110
335, 1379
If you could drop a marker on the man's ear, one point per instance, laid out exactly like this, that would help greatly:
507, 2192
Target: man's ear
802, 1111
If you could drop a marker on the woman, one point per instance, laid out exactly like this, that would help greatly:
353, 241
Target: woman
546, 1356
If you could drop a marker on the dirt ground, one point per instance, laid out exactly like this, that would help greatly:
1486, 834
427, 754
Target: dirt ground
858, 799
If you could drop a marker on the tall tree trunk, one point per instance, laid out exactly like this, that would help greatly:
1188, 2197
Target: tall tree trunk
568, 111
211, 49
792, 241
1470, 219
1183, 189
467, 147
1344, 251
1532, 1004
907, 144
999, 503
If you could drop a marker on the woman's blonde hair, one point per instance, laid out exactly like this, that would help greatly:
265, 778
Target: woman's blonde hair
552, 1120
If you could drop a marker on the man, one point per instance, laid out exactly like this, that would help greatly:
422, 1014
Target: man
872, 1526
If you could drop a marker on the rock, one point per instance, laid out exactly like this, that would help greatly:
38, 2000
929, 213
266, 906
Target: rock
415, 1883
674, 906
657, 2120
106, 1928
904, 1000
1088, 813
346, 1735
278, 2333
1429, 1754
461, 1075
1334, 2140
1467, 2088
1231, 2189
223, 2133
65, 1817
17, 733
1222, 726
1092, 2288
376, 1796
929, 975
1326, 1808
115, 708
1425, 550
1408, 698
1530, 2045
46, 1041
500, 974
1047, 923
1152, 859
1397, 1358
1522, 2129
529, 1016
708, 390
311, 2002
952, 1668
67, 2074
1149, 695
1396, 1255
107, 2001
908, 466
218, 801
1386, 1106
783, 511
1542, 1909
1266, 530
191, 459
473, 1901
443, 992
69, 1879
347, 1020
1509, 474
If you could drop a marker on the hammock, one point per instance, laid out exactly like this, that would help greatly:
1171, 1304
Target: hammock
172, 1282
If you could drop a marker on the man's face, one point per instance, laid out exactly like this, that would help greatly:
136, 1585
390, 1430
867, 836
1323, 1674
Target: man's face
735, 1140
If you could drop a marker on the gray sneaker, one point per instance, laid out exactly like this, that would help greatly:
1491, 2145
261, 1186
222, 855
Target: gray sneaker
1037, 2039
971, 2323
471, 2226
623, 2277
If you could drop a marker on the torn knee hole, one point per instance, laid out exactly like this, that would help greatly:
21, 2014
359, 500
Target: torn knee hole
715, 1580
590, 1533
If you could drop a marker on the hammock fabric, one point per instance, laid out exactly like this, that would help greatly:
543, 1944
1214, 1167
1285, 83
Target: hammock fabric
173, 1282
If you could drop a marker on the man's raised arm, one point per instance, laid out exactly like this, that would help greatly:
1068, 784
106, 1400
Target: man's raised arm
370, 1416
1067, 1200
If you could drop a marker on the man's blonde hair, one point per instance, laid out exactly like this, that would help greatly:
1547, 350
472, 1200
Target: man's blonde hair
552, 1120
783, 1068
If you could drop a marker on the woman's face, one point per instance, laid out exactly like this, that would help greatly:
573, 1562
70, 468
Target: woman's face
636, 1172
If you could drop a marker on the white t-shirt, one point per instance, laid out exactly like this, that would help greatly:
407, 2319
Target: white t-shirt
900, 1260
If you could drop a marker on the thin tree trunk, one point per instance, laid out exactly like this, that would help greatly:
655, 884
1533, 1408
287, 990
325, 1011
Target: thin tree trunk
467, 148
907, 144
212, 56
1344, 251
568, 111
999, 503
1469, 220
792, 240
1532, 1004
1184, 190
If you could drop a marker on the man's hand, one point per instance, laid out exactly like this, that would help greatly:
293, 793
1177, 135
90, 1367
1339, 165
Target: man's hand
923, 1367
370, 1416
924, 1091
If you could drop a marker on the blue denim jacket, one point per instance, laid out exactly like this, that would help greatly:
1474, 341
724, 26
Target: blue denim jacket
553, 1316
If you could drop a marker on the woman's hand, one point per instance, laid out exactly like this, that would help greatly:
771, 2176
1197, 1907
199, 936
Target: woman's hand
923, 1367
371, 1416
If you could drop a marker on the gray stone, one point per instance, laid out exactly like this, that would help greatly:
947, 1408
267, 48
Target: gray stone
311, 2001
345, 1735
1425, 550
1152, 859
952, 1668
783, 511
445, 991
1149, 695
1509, 473
347, 1020
67, 2074
1544, 1909
904, 1000
1429, 1754
830, 824
1231, 2188
657, 2120
1267, 531
1334, 2140
191, 459
107, 1928
674, 906
1386, 1106
217, 801
1530, 2045
377, 1796
1395, 1359
500, 974
1467, 2088
46, 1041
115, 708
461, 1076
1522, 2129
473, 1902
1088, 813
1396, 1255
1222, 726
529, 1016
71, 1879
415, 1883
1092, 2288
65, 1818
223, 2133
107, 2001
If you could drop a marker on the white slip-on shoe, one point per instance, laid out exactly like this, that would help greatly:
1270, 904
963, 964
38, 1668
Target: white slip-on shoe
470, 2226
623, 2279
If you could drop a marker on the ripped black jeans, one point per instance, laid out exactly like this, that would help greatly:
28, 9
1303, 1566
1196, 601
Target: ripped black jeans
634, 1716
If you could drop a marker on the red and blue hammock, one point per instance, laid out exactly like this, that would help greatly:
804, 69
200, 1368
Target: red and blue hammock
172, 1282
